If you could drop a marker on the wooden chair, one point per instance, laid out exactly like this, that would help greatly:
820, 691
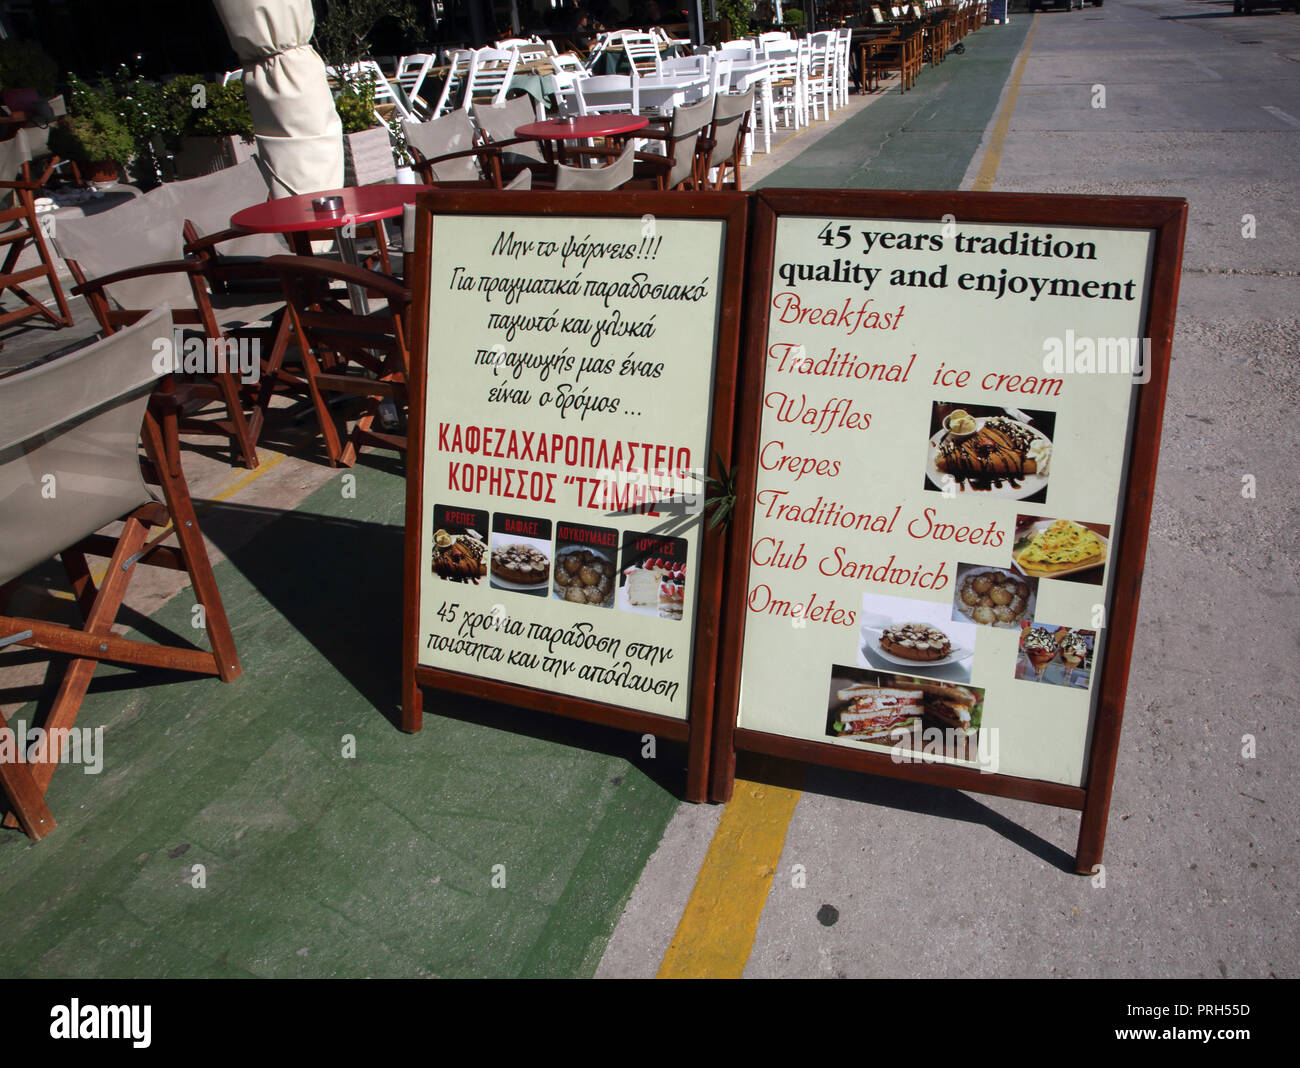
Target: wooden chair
20, 227
70, 466
497, 124
132, 258
722, 144
678, 167
448, 153
346, 354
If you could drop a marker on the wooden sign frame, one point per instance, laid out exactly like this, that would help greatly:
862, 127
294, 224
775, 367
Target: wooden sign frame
696, 729
1167, 218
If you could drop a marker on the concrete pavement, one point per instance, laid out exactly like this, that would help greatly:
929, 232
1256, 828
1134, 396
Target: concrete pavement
883, 879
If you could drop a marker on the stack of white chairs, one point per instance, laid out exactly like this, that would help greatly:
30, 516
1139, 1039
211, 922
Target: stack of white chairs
490, 72
643, 53
844, 45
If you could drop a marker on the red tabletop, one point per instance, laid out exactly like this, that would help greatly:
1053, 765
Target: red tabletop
361, 204
603, 125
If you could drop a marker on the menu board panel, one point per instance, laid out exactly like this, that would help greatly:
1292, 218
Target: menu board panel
918, 447
946, 391
579, 374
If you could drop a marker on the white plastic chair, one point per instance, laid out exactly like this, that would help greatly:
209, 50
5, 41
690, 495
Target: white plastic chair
454, 84
411, 73
643, 53
490, 74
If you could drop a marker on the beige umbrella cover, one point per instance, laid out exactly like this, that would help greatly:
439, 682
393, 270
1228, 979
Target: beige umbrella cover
299, 135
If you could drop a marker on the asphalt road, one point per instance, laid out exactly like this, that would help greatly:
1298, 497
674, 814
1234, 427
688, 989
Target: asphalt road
901, 880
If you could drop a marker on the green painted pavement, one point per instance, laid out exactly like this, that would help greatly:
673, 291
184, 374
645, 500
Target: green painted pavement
317, 865
922, 139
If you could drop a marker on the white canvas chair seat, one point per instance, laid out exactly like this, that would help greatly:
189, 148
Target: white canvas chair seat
499, 123
79, 419
612, 176
448, 150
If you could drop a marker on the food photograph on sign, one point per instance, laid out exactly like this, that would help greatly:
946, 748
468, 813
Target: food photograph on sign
905, 712
917, 635
1061, 656
586, 564
1060, 548
992, 596
988, 450
460, 551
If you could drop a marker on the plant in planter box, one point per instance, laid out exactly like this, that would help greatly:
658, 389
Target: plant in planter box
355, 103
92, 133
218, 133
156, 114
402, 158
367, 148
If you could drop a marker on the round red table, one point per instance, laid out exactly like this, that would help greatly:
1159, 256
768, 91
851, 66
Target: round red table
296, 217
606, 124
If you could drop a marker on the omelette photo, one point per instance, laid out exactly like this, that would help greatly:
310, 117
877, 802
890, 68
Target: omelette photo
1057, 547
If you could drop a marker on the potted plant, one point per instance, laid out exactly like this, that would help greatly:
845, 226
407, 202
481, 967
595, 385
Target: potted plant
93, 134
367, 147
402, 158
155, 114
792, 20
219, 131
27, 73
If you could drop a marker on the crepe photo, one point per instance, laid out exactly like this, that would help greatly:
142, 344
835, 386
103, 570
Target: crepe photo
459, 551
918, 636
1059, 656
1060, 548
980, 450
880, 708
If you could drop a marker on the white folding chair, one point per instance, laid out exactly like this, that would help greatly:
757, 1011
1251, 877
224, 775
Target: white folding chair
449, 99
411, 73
489, 75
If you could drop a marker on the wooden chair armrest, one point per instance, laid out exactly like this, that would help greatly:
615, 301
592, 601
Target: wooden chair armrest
94, 285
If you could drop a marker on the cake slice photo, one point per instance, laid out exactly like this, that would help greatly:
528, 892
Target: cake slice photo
653, 577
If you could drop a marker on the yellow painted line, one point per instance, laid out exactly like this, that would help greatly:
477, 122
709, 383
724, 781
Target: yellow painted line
993, 156
716, 932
